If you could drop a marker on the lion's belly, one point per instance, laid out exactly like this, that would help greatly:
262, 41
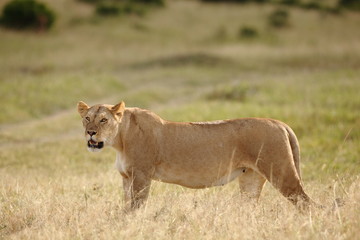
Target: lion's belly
195, 179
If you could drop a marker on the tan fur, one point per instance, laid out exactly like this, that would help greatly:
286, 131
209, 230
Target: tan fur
197, 154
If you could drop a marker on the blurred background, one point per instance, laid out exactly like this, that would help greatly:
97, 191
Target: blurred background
187, 60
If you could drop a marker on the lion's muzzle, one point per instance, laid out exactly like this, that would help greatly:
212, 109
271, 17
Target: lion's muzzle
95, 145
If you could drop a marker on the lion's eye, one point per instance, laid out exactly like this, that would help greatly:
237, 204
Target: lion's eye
104, 120
87, 119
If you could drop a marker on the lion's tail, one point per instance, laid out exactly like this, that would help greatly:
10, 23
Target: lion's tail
295, 148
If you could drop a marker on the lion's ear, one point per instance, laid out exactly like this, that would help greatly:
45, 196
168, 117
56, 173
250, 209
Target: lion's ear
118, 109
82, 108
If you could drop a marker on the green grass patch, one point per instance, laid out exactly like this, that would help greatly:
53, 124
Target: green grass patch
30, 97
322, 116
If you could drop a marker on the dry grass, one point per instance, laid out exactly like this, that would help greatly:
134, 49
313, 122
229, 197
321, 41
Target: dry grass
88, 207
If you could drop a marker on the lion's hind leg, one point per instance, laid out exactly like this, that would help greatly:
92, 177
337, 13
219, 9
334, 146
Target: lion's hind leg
285, 178
251, 184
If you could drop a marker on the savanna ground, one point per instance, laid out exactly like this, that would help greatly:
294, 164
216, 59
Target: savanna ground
186, 63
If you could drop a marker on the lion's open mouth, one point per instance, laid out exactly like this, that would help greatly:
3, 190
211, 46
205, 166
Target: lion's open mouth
92, 144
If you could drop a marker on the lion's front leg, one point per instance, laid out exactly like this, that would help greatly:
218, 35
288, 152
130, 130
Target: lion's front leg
136, 190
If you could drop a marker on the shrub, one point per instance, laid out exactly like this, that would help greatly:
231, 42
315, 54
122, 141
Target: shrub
107, 9
350, 4
22, 14
117, 7
149, 2
90, 1
237, 1
248, 32
238, 92
130, 8
113, 9
279, 18
312, 5
290, 2
333, 10
126, 2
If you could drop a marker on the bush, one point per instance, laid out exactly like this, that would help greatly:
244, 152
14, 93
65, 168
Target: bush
149, 2
239, 92
237, 1
117, 7
113, 9
125, 2
279, 18
333, 10
247, 32
90, 1
25, 14
312, 5
350, 4
107, 9
130, 8
290, 2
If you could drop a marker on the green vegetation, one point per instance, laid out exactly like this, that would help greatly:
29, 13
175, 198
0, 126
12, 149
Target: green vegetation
126, 7
350, 4
279, 18
248, 32
37, 96
149, 2
290, 2
146, 2
107, 9
24, 14
113, 9
238, 93
236, 1
323, 6
185, 62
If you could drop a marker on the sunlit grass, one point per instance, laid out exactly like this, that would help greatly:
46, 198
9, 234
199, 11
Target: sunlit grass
88, 206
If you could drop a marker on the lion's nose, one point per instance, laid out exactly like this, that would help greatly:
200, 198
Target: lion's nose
91, 132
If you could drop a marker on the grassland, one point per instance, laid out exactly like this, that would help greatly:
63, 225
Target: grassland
173, 62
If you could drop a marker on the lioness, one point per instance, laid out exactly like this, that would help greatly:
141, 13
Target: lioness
195, 154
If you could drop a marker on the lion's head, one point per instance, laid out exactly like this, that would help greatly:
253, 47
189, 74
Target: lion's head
100, 123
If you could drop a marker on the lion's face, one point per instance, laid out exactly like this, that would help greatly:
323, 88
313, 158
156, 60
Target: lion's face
101, 124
